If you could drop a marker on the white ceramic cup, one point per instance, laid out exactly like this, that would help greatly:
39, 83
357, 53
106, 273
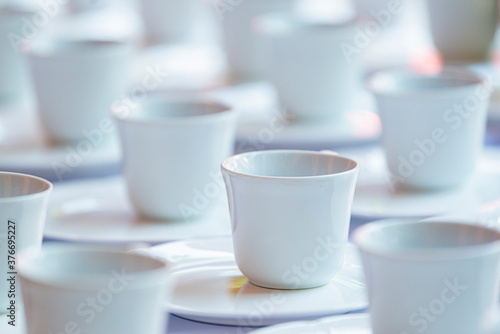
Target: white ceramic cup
463, 30
76, 81
430, 277
14, 77
433, 125
76, 290
243, 48
169, 20
314, 76
23, 207
290, 212
172, 151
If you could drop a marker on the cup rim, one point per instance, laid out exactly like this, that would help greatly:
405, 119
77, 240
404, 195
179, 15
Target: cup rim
224, 112
17, 9
40, 48
48, 186
151, 277
288, 178
469, 77
424, 255
263, 23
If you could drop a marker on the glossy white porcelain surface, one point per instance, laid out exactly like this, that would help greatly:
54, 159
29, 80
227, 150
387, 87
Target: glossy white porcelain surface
436, 273
172, 149
208, 287
92, 291
323, 78
462, 30
76, 81
98, 210
297, 205
433, 125
23, 207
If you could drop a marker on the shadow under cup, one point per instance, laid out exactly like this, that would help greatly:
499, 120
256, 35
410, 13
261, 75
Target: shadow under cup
290, 213
430, 277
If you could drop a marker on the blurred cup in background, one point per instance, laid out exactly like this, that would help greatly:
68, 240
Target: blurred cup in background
76, 81
93, 291
433, 125
241, 44
14, 77
463, 30
172, 151
179, 21
309, 63
424, 276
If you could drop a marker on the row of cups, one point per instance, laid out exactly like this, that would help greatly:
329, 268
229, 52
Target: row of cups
313, 63
172, 149
433, 134
431, 276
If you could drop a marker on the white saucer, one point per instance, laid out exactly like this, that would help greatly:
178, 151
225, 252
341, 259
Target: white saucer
375, 197
98, 210
208, 287
23, 149
264, 125
347, 324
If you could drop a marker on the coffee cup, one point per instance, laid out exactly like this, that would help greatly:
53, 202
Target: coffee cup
433, 125
310, 64
172, 150
462, 30
431, 277
290, 213
23, 207
82, 290
76, 81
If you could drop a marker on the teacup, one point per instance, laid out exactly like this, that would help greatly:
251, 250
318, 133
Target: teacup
430, 277
463, 30
23, 207
76, 81
169, 20
433, 125
243, 48
92, 291
290, 213
309, 63
172, 150
14, 77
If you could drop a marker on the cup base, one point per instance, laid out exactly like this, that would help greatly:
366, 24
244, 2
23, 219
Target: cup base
288, 287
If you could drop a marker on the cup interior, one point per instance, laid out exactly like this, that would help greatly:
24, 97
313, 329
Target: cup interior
66, 266
157, 109
399, 238
15, 185
285, 22
402, 81
288, 164
61, 47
